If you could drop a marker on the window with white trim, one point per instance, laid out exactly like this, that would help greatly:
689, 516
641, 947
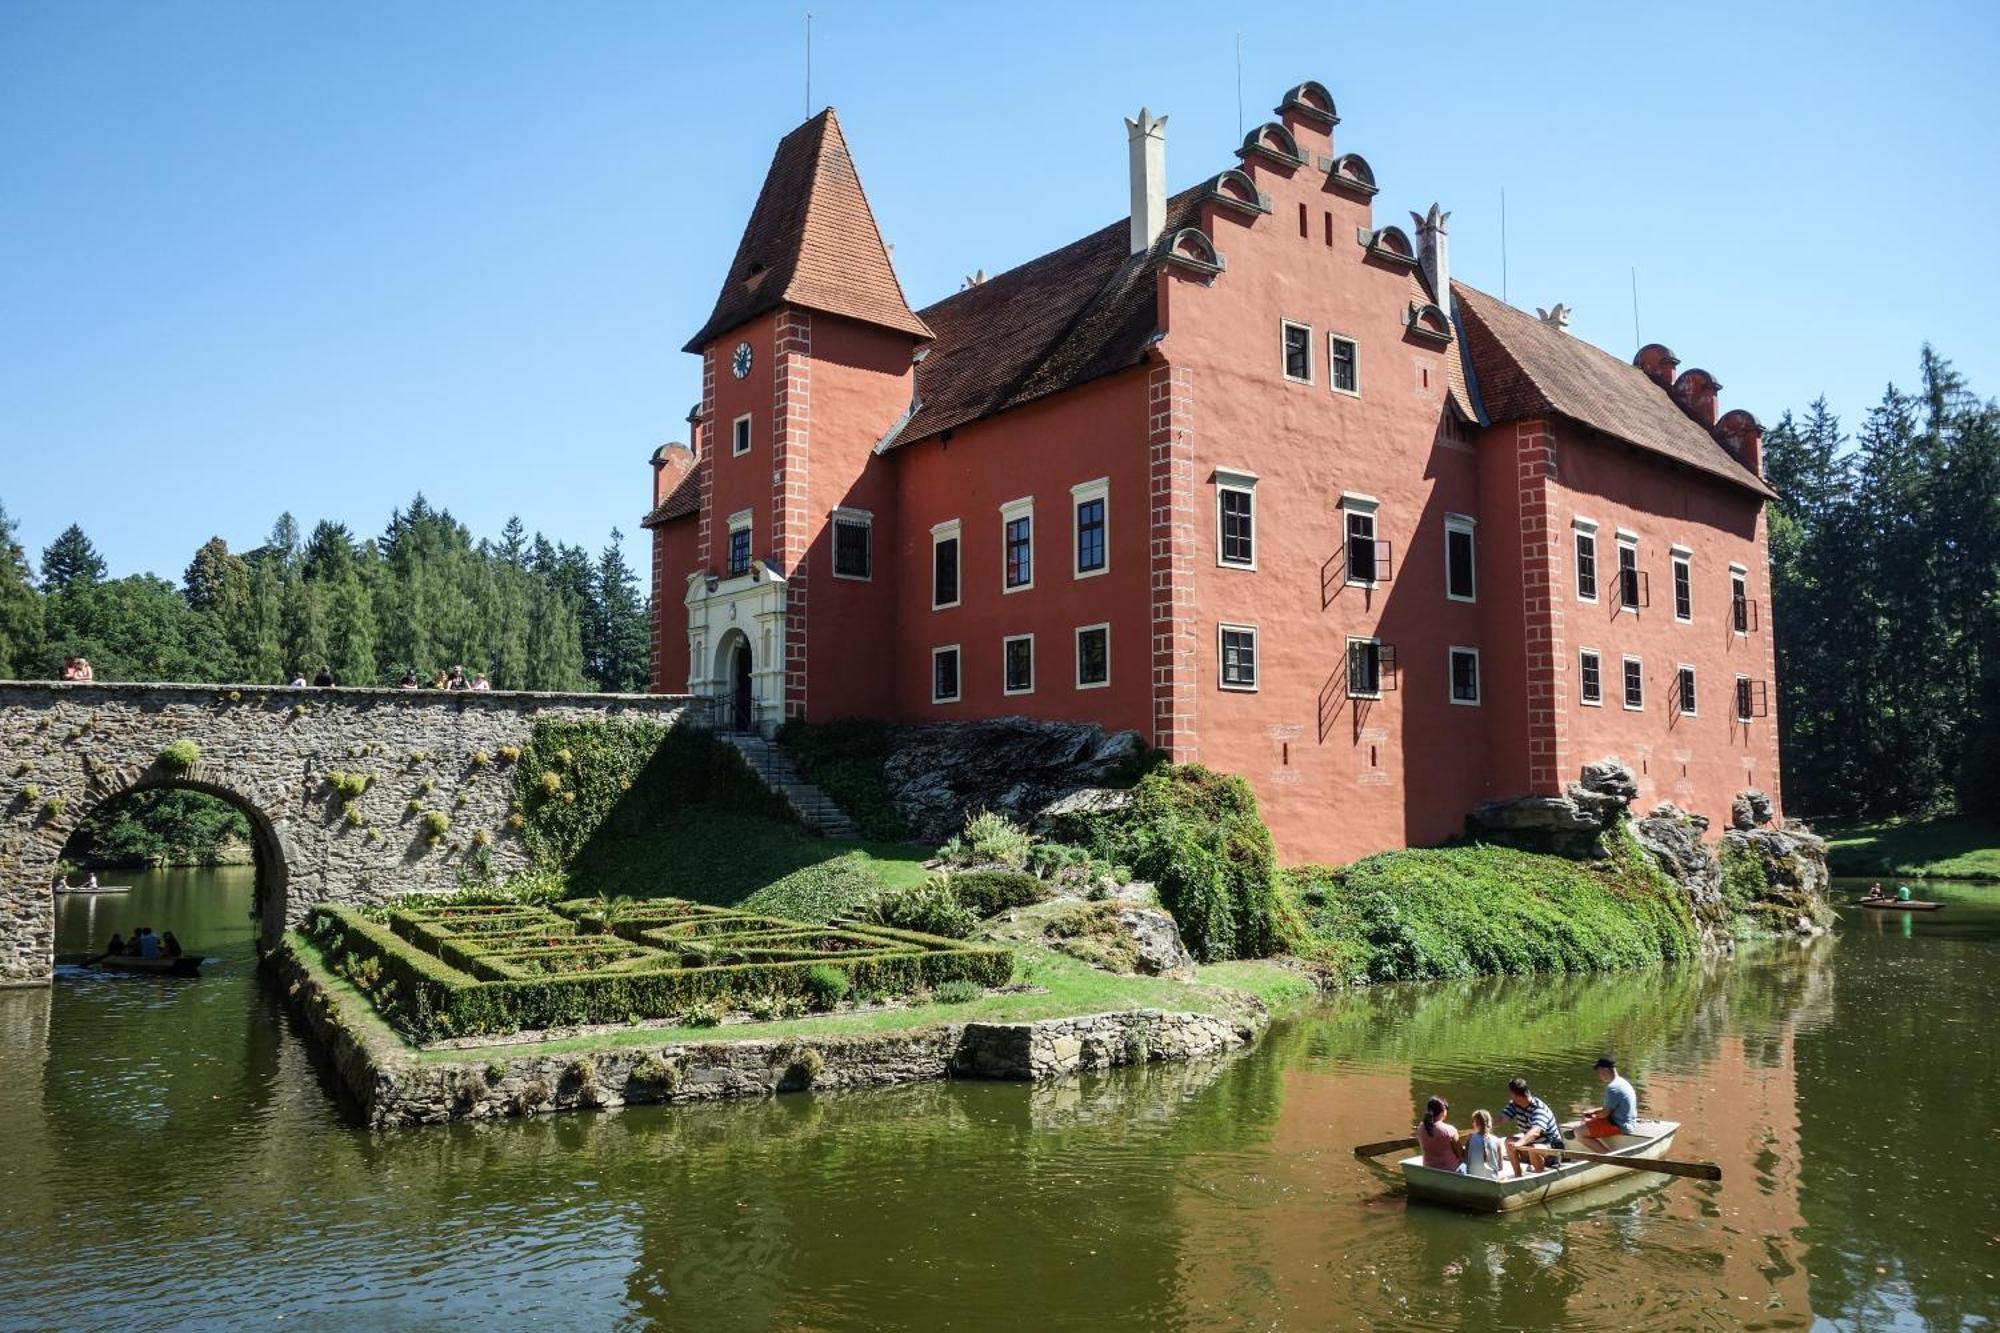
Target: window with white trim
1236, 645
1683, 585
739, 543
1235, 519
1370, 668
1298, 351
1367, 558
739, 439
1090, 503
1590, 677
1093, 657
1635, 684
1017, 544
1632, 590
1343, 361
1465, 675
944, 675
1017, 664
1586, 560
1460, 576
853, 548
1684, 694
944, 565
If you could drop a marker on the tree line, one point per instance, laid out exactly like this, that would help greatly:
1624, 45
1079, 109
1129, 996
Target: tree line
1885, 562
423, 596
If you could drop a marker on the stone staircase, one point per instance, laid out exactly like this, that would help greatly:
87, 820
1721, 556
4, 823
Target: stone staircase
815, 809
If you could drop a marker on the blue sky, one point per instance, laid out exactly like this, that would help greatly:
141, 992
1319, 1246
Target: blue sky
262, 257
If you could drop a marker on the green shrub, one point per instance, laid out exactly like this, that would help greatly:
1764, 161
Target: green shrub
930, 908
987, 892
31, 793
956, 992
180, 755
802, 1064
844, 758
825, 986
54, 806
353, 817
348, 786
990, 837
839, 887
436, 823
509, 754
1197, 836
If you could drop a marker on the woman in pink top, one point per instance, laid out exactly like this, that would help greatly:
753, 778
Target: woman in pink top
1437, 1139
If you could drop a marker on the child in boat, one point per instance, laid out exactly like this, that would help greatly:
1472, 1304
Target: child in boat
1437, 1139
1482, 1150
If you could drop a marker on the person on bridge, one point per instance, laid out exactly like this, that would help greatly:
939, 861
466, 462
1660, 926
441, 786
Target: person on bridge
409, 680
325, 677
457, 680
479, 682
298, 679
1615, 1116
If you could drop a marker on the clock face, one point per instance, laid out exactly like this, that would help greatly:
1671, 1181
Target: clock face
739, 360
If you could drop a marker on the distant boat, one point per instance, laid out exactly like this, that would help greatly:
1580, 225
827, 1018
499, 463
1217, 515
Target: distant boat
97, 888
187, 965
1899, 905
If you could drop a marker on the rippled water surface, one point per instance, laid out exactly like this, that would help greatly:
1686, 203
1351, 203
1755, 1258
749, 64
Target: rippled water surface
173, 1157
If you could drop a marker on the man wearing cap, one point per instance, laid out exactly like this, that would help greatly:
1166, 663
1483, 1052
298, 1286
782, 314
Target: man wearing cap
1615, 1116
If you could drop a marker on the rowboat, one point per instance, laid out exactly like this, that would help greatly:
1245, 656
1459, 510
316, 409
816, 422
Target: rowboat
1896, 905
1651, 1140
101, 888
187, 965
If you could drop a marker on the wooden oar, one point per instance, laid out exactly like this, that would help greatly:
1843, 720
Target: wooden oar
1387, 1145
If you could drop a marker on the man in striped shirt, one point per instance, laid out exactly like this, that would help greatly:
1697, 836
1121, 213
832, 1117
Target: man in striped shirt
1541, 1138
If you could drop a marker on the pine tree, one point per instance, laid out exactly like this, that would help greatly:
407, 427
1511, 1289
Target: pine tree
616, 646
71, 562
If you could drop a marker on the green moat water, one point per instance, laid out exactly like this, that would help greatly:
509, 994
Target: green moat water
173, 1156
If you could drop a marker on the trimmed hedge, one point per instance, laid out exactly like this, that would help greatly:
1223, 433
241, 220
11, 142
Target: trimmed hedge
432, 983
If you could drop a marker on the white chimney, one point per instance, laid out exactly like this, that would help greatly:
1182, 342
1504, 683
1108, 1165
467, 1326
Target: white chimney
1148, 141
1434, 253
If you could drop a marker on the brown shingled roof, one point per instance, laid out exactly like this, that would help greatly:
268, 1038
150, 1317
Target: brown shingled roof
682, 501
1526, 368
1067, 318
811, 242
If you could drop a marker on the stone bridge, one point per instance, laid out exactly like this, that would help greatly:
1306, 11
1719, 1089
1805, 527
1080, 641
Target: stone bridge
67, 748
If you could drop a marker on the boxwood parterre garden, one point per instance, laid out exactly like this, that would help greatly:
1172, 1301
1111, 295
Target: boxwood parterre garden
443, 970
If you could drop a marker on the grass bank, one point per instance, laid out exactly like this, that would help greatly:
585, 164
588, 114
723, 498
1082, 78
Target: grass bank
1953, 847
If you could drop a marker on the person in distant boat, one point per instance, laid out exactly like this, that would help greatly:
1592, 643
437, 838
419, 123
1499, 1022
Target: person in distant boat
169, 945
409, 680
91, 883
1875, 891
1482, 1150
1437, 1139
1541, 1138
115, 948
479, 682
1615, 1116
325, 677
1902, 893
149, 943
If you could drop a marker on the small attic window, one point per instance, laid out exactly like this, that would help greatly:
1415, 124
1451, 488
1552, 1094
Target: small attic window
753, 278
1191, 249
1352, 172
1274, 143
1234, 190
1310, 101
1393, 244
1430, 323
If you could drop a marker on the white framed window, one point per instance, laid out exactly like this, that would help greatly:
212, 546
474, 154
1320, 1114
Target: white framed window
1635, 685
1590, 677
1586, 559
1367, 558
1093, 656
739, 542
1461, 582
853, 544
1632, 590
1017, 664
1742, 617
1343, 364
1090, 512
1017, 545
1236, 648
1464, 675
1297, 344
739, 435
1371, 667
1684, 691
1235, 519
944, 674
945, 547
1683, 560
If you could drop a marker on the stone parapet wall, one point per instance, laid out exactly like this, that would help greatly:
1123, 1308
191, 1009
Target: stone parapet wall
68, 747
395, 1088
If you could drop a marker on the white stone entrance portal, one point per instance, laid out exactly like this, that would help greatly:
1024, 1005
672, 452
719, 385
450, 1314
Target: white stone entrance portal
731, 620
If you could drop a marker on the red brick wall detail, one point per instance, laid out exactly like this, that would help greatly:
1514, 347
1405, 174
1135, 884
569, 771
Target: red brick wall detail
1170, 469
1542, 599
704, 554
791, 420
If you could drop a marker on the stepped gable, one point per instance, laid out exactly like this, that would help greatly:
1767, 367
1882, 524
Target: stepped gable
1053, 323
1525, 368
683, 501
812, 242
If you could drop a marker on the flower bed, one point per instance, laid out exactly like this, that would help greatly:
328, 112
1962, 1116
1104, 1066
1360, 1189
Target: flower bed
458, 970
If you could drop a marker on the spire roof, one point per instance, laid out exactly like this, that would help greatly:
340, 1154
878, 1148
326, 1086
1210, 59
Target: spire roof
812, 242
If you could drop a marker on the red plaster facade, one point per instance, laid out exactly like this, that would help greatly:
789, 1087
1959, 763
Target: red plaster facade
1118, 397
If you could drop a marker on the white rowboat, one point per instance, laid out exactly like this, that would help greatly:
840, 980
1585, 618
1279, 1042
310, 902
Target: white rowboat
1650, 1140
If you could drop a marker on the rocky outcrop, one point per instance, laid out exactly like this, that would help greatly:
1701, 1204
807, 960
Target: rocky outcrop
1751, 809
1160, 950
1673, 839
1572, 824
1793, 898
941, 772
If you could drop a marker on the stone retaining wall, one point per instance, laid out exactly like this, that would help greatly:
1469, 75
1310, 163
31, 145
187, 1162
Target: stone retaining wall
394, 1088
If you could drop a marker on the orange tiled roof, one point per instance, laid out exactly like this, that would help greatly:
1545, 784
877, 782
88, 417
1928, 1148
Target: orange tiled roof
811, 242
1526, 368
683, 501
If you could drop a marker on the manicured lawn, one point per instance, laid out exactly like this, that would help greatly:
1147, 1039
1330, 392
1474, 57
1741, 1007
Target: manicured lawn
1955, 847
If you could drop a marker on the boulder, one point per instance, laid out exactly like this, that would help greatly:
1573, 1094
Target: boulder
1796, 876
1161, 950
1673, 840
941, 772
1751, 809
